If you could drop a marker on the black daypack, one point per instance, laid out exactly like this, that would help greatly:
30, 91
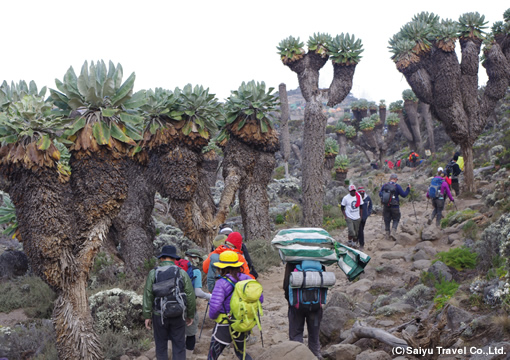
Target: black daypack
168, 290
388, 196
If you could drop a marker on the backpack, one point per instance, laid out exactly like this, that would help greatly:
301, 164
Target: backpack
388, 197
435, 188
309, 294
168, 290
449, 168
245, 307
186, 266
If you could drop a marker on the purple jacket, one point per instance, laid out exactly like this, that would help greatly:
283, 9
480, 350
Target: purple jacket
445, 189
220, 300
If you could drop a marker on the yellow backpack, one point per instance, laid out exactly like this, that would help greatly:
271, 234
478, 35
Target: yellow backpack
245, 307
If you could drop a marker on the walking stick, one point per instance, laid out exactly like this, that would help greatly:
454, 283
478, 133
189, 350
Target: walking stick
203, 322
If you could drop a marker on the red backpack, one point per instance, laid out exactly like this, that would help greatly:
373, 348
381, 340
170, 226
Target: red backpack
186, 266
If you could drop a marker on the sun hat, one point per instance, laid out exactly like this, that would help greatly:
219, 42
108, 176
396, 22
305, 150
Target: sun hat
195, 253
169, 251
235, 239
226, 231
352, 187
361, 189
228, 259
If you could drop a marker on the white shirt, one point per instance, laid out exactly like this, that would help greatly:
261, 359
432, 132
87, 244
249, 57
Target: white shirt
351, 211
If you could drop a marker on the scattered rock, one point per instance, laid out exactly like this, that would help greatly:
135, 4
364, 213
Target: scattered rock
373, 355
430, 233
421, 265
13, 263
440, 270
342, 351
287, 350
333, 321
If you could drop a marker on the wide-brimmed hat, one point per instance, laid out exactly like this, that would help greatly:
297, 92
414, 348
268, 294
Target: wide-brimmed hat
169, 251
228, 259
195, 253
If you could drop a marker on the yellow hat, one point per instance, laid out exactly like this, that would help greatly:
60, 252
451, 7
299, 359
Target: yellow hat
228, 259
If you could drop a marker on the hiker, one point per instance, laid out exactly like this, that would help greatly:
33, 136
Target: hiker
390, 164
389, 195
398, 164
452, 172
173, 283
366, 211
460, 160
413, 159
220, 240
351, 208
299, 314
229, 265
233, 242
374, 165
437, 191
195, 257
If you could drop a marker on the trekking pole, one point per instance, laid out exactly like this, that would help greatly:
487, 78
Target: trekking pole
203, 322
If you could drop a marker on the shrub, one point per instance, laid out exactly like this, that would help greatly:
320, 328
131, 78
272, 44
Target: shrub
445, 291
263, 255
470, 230
293, 215
29, 340
29, 293
332, 218
116, 344
418, 295
279, 173
279, 219
459, 258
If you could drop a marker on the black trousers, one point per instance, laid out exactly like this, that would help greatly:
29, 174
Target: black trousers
172, 329
456, 186
438, 205
361, 233
391, 214
297, 318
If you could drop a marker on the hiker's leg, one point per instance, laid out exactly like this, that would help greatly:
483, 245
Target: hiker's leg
191, 332
313, 324
239, 347
440, 207
215, 349
455, 186
356, 224
387, 218
160, 338
176, 332
296, 324
361, 233
395, 216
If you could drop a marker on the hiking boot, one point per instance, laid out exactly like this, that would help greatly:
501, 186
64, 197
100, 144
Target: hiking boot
350, 243
387, 236
393, 235
429, 221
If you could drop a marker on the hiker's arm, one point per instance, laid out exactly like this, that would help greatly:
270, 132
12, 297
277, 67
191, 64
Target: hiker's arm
369, 206
216, 302
190, 295
447, 191
148, 296
199, 293
198, 286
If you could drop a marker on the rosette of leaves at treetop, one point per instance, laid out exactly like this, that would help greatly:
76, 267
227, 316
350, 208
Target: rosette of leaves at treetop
331, 147
392, 119
211, 151
249, 116
446, 34
318, 43
345, 49
16, 92
347, 117
186, 117
340, 127
342, 163
409, 95
372, 106
102, 108
382, 104
397, 106
366, 124
350, 132
27, 130
376, 119
290, 50
471, 26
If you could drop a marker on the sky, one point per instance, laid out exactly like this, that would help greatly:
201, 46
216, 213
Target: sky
216, 44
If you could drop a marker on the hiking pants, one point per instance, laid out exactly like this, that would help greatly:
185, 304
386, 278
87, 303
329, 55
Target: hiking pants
221, 338
389, 214
361, 234
297, 318
456, 186
352, 227
172, 329
438, 205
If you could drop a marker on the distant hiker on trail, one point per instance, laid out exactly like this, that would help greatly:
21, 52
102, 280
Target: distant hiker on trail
437, 192
374, 165
351, 208
220, 240
195, 258
168, 284
299, 314
414, 159
234, 243
390, 164
229, 265
398, 164
366, 211
452, 172
460, 160
389, 195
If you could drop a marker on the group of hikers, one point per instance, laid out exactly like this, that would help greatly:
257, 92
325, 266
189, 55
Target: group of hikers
171, 289
357, 205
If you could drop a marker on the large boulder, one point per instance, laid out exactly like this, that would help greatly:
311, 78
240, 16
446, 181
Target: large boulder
13, 263
440, 271
334, 321
287, 350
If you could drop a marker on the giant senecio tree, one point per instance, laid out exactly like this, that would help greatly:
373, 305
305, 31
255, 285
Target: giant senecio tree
63, 217
424, 52
344, 52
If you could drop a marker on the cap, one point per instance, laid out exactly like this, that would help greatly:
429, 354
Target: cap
352, 187
235, 239
394, 176
361, 189
439, 169
169, 251
226, 230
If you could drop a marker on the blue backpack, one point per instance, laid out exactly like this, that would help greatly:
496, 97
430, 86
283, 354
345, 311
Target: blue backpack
435, 188
310, 298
